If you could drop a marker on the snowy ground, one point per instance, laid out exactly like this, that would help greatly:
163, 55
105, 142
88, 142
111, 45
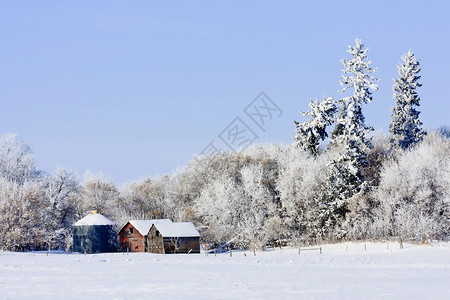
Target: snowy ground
380, 272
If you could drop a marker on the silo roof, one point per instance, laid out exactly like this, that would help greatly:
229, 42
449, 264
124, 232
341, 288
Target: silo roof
94, 219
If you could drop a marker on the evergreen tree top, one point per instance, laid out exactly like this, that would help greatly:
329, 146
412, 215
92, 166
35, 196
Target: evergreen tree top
408, 79
359, 70
405, 126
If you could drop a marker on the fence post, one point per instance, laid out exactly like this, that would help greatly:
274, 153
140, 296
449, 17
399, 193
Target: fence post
214, 251
298, 250
365, 246
231, 252
401, 243
320, 250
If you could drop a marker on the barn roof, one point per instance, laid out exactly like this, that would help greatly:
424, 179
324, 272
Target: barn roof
94, 218
181, 229
143, 226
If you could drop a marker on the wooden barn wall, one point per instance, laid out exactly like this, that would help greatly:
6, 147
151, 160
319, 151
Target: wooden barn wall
131, 241
155, 241
182, 245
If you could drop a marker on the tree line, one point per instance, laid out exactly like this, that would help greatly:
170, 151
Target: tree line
361, 185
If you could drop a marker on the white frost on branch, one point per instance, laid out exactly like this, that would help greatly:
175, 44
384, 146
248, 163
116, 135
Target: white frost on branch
312, 132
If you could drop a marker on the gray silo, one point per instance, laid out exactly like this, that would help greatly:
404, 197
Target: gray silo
94, 233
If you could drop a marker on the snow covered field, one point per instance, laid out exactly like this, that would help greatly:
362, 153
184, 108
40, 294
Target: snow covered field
415, 272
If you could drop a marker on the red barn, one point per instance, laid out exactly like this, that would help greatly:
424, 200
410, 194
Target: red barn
133, 235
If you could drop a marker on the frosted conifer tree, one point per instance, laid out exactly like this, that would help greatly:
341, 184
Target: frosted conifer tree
405, 126
346, 177
310, 133
353, 139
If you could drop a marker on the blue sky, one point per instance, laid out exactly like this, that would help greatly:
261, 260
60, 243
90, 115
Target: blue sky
135, 88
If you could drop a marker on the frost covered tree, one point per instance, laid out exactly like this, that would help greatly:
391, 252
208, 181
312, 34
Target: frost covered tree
312, 132
218, 210
352, 141
16, 159
414, 191
301, 183
238, 198
405, 125
144, 199
22, 217
260, 209
22, 201
100, 194
61, 191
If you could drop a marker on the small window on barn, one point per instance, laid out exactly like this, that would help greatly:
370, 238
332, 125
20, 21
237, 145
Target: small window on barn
131, 230
157, 233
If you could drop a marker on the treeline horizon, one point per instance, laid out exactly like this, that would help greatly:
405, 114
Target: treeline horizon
257, 196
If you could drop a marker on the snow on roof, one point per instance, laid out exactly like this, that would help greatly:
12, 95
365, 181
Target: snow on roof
143, 226
94, 218
182, 229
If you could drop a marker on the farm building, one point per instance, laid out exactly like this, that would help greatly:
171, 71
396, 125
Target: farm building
132, 236
173, 238
93, 234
